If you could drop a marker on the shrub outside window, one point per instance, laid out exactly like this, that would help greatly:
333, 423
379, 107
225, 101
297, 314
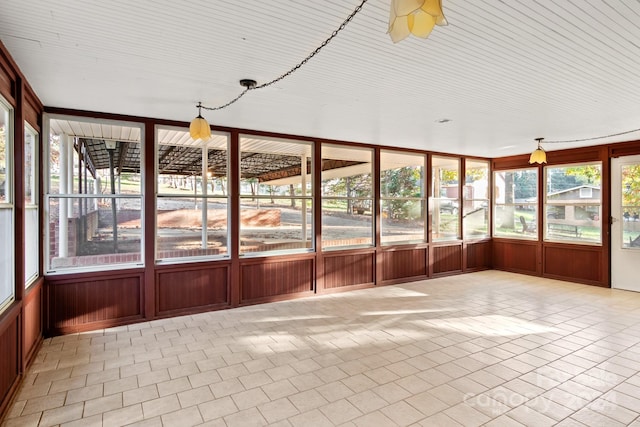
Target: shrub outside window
347, 197
573, 203
276, 195
445, 206
94, 195
192, 202
31, 227
515, 199
7, 275
475, 200
402, 197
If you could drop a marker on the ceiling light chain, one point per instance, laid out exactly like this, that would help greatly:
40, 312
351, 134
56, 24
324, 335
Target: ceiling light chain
593, 138
295, 68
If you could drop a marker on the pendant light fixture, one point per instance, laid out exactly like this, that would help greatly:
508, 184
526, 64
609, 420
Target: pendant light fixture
539, 155
199, 127
417, 17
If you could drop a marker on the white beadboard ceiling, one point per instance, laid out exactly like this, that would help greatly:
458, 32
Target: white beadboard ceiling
504, 71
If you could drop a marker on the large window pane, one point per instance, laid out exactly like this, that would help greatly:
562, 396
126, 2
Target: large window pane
475, 200
7, 277
275, 196
516, 204
402, 197
573, 203
193, 197
445, 209
347, 197
94, 200
31, 228
630, 206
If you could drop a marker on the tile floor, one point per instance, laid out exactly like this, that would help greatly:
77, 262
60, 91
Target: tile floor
489, 348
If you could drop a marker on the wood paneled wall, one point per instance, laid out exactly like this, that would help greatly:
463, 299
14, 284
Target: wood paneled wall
20, 322
33, 317
446, 259
274, 278
575, 263
517, 256
400, 264
478, 255
343, 270
76, 304
10, 356
204, 286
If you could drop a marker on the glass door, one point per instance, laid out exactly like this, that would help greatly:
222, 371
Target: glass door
625, 227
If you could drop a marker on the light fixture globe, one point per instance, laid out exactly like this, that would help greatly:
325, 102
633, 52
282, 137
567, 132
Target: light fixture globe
538, 156
417, 17
199, 128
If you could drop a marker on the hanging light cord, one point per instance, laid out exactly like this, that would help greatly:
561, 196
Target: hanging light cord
297, 66
592, 138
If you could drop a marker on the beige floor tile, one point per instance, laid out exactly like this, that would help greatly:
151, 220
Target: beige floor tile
154, 377
102, 404
279, 389
62, 414
93, 421
30, 420
250, 398
247, 418
226, 388
440, 419
255, 380
118, 386
312, 418
39, 404
119, 417
367, 401
340, 411
173, 386
592, 419
183, 418
218, 408
376, 418
334, 391
402, 414
85, 393
104, 376
160, 406
278, 410
138, 395
307, 400
30, 391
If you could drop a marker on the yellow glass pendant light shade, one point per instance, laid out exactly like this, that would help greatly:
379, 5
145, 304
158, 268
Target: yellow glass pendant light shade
539, 155
417, 17
199, 128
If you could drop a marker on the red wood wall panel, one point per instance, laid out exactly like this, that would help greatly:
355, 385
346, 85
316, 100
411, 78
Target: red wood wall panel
7, 77
478, 255
33, 317
403, 263
519, 257
347, 270
187, 289
8, 360
259, 280
447, 259
93, 303
575, 263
